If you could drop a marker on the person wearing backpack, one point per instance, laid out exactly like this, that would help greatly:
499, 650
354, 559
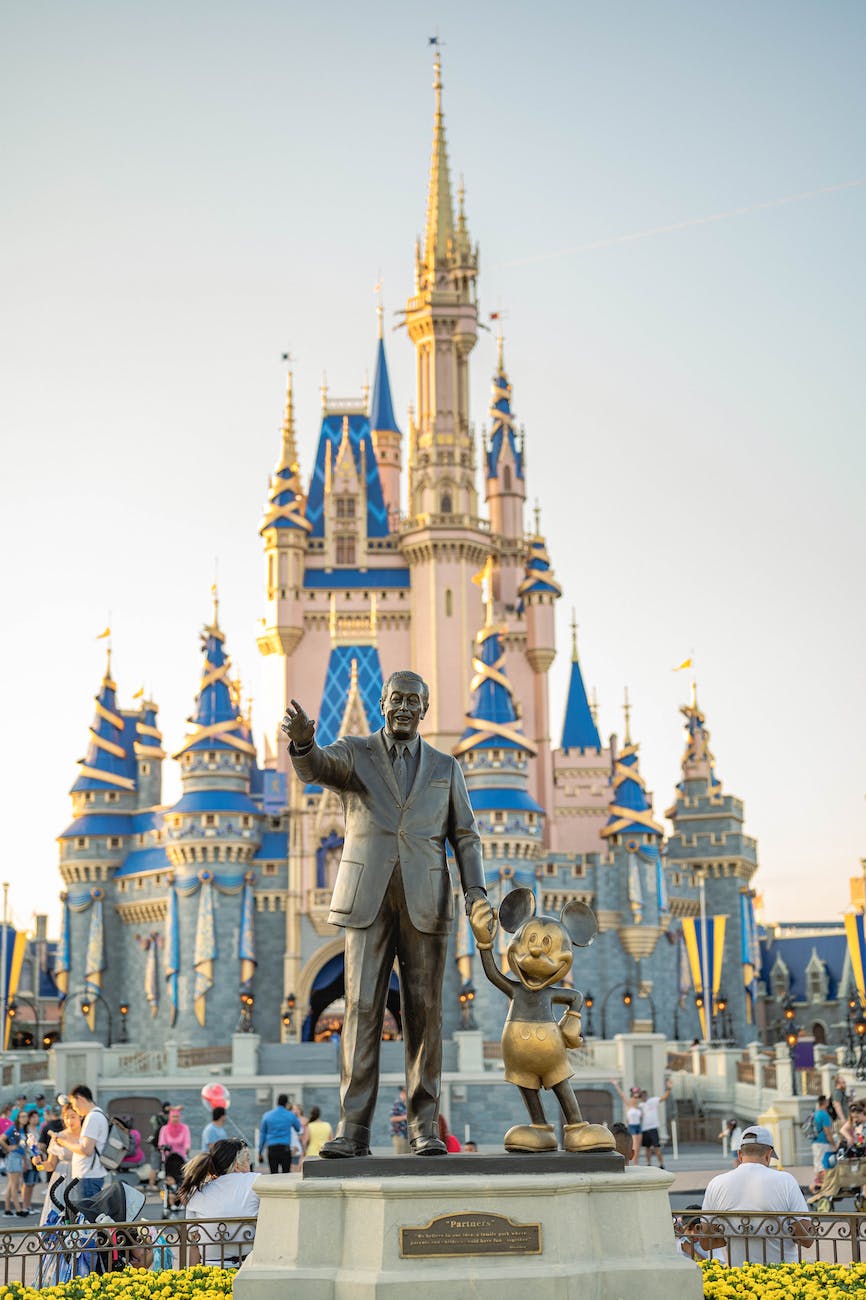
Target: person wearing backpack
85, 1162
823, 1140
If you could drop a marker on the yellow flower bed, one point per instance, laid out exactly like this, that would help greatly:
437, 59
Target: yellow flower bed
781, 1281
199, 1283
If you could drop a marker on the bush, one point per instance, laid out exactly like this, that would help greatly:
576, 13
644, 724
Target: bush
806, 1281
199, 1283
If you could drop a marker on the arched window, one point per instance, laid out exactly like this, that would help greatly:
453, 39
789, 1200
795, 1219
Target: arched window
446, 504
506, 478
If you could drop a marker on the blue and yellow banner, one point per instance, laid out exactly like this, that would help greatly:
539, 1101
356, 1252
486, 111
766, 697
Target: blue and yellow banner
750, 953
856, 949
705, 947
247, 934
16, 946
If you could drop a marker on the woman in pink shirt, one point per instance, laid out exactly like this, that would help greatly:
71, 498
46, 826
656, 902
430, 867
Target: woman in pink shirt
174, 1143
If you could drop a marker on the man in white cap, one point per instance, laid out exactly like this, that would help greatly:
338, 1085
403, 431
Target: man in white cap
754, 1188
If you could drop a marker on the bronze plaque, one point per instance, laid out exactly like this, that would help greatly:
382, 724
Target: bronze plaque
470, 1234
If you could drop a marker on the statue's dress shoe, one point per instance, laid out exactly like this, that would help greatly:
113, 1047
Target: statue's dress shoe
341, 1148
428, 1146
588, 1137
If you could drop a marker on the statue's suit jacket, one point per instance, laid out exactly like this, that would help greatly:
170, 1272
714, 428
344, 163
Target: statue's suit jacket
382, 830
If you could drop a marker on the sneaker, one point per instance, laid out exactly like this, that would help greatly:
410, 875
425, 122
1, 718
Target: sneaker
10, 1212
22, 1214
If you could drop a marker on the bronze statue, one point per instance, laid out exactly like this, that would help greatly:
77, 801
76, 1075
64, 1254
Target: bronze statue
533, 1043
402, 800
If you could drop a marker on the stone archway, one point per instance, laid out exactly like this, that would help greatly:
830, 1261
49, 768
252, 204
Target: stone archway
323, 983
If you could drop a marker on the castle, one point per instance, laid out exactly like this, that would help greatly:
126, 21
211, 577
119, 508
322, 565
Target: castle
194, 920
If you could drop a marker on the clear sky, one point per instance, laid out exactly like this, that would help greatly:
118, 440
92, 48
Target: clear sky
191, 189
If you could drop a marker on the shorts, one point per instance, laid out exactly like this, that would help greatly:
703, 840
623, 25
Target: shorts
634, 1129
14, 1162
819, 1150
31, 1177
650, 1138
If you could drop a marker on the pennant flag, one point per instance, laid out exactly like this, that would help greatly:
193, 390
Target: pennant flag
205, 947
247, 935
94, 961
103, 635
62, 960
705, 939
750, 952
16, 946
138, 694
687, 663
172, 953
857, 949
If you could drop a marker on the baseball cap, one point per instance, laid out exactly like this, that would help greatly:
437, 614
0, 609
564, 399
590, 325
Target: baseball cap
757, 1134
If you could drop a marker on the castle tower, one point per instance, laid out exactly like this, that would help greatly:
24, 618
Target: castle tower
708, 844
581, 771
385, 433
443, 540
537, 595
505, 491
149, 756
284, 530
633, 882
494, 755
104, 801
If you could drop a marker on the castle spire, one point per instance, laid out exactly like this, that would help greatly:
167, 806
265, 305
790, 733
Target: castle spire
630, 811
382, 418
286, 502
698, 763
579, 730
109, 763
440, 216
217, 721
492, 720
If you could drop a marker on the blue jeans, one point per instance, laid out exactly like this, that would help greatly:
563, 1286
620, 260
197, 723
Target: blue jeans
90, 1186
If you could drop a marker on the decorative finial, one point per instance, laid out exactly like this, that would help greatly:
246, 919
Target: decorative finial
323, 389
500, 351
353, 675
214, 591
593, 706
694, 694
626, 708
380, 310
573, 637
537, 513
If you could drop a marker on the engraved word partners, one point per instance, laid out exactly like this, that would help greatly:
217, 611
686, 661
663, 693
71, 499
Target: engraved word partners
470, 1234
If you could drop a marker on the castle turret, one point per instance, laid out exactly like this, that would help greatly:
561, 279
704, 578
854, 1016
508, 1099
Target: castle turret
537, 594
505, 490
581, 768
444, 541
708, 846
149, 755
285, 529
385, 433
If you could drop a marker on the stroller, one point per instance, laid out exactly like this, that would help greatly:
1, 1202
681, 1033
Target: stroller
85, 1239
845, 1176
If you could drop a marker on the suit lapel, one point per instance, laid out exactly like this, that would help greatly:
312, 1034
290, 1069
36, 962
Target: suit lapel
382, 762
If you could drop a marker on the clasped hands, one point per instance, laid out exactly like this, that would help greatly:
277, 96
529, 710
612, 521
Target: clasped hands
482, 918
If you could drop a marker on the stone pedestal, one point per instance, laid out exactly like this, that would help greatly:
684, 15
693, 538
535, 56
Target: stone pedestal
551, 1235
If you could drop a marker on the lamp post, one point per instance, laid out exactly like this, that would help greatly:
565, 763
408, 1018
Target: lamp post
287, 1015
627, 1000
723, 1023
124, 1012
466, 998
791, 1036
245, 1024
589, 1003
860, 1030
12, 1012
88, 997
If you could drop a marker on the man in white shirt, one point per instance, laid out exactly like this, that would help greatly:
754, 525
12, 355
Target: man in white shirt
649, 1125
753, 1187
85, 1162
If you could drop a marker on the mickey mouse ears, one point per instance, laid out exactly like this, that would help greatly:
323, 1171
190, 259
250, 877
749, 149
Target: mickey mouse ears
577, 917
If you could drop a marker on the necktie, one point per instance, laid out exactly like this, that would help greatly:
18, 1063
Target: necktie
400, 771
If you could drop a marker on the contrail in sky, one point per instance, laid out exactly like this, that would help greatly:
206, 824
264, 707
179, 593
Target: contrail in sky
684, 225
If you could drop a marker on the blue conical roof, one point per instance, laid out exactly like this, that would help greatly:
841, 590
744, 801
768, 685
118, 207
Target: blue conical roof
381, 407
109, 763
578, 730
217, 720
502, 423
285, 508
630, 810
492, 720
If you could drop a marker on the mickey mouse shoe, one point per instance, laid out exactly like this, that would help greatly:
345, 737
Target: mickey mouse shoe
588, 1137
530, 1137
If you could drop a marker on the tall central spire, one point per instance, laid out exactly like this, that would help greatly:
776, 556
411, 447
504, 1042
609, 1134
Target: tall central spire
440, 214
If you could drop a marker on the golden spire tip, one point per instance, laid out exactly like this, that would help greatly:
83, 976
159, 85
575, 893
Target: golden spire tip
626, 708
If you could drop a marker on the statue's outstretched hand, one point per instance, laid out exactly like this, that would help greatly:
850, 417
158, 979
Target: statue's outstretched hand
482, 918
297, 726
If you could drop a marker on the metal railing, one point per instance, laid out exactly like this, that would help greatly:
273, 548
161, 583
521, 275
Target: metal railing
189, 1058
768, 1238
44, 1256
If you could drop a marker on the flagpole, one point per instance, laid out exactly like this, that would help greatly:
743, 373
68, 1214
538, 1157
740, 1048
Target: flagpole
3, 958
708, 993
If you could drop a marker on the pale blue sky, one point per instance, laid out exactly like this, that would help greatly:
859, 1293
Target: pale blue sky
191, 189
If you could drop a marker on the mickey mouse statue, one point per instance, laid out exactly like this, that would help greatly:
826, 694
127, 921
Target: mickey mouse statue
534, 1045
